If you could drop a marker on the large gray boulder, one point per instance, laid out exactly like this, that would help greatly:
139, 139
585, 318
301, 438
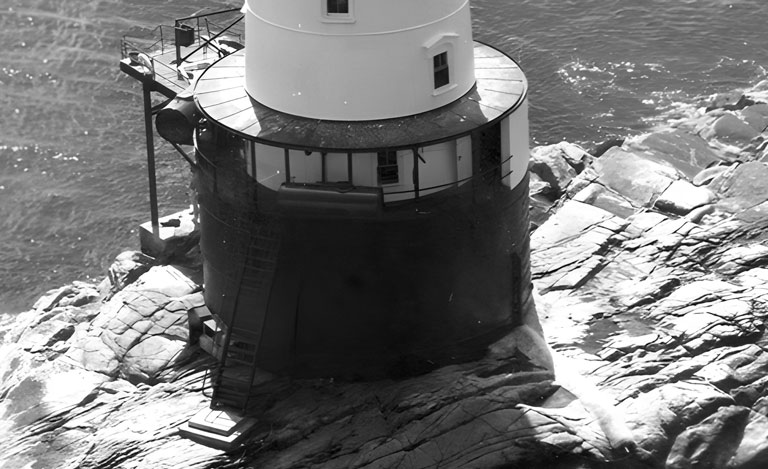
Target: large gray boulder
681, 197
742, 187
556, 165
729, 128
634, 176
731, 438
687, 152
141, 329
711, 443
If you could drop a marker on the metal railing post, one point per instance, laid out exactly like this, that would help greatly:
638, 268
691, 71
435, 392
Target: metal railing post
179, 76
416, 158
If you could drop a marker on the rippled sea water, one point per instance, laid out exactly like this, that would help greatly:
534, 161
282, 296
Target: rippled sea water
72, 159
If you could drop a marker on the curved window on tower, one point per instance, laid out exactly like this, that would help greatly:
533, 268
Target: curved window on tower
339, 11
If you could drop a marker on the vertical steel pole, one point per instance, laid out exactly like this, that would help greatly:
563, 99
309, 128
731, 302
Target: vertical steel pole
176, 24
416, 173
323, 162
151, 157
287, 156
349, 167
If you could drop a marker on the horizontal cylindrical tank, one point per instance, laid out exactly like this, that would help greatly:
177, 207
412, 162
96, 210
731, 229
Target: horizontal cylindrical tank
177, 121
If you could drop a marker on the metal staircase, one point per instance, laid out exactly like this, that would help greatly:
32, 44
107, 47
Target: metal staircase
233, 378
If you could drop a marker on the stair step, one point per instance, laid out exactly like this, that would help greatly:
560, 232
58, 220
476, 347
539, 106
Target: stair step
255, 274
235, 383
245, 335
242, 343
229, 403
264, 252
259, 287
216, 440
236, 379
238, 347
241, 348
256, 282
230, 393
223, 422
267, 237
210, 323
237, 399
237, 372
202, 312
239, 361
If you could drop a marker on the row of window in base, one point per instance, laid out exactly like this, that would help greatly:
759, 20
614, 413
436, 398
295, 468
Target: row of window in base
401, 170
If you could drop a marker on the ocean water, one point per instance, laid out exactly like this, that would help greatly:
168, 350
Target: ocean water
73, 185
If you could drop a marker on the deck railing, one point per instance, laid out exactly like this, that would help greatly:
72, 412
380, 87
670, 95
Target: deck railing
208, 31
159, 44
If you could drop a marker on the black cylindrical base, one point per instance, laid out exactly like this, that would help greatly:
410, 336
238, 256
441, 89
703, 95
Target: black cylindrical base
428, 281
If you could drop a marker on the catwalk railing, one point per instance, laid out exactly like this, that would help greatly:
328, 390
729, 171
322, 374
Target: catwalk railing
171, 52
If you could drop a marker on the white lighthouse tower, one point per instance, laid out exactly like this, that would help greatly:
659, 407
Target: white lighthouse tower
361, 170
358, 60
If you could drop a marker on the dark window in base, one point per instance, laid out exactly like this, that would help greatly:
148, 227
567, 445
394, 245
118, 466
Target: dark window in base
338, 7
442, 76
387, 170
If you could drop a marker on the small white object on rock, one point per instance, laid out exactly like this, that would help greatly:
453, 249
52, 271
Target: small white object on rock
681, 197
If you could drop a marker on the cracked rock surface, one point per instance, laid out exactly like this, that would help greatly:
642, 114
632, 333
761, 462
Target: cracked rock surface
652, 275
659, 298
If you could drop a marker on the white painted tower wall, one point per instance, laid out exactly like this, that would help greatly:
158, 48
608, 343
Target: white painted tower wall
375, 62
372, 63
515, 147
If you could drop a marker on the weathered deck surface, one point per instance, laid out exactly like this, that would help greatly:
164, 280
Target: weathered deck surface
501, 88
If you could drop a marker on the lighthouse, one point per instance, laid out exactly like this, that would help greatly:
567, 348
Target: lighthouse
362, 191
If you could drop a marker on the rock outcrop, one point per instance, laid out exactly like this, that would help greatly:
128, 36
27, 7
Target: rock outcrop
652, 284
651, 269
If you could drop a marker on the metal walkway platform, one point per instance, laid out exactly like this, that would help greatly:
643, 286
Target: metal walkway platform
168, 59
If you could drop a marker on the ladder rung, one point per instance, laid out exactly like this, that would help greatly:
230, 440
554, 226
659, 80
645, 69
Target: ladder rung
239, 360
231, 393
